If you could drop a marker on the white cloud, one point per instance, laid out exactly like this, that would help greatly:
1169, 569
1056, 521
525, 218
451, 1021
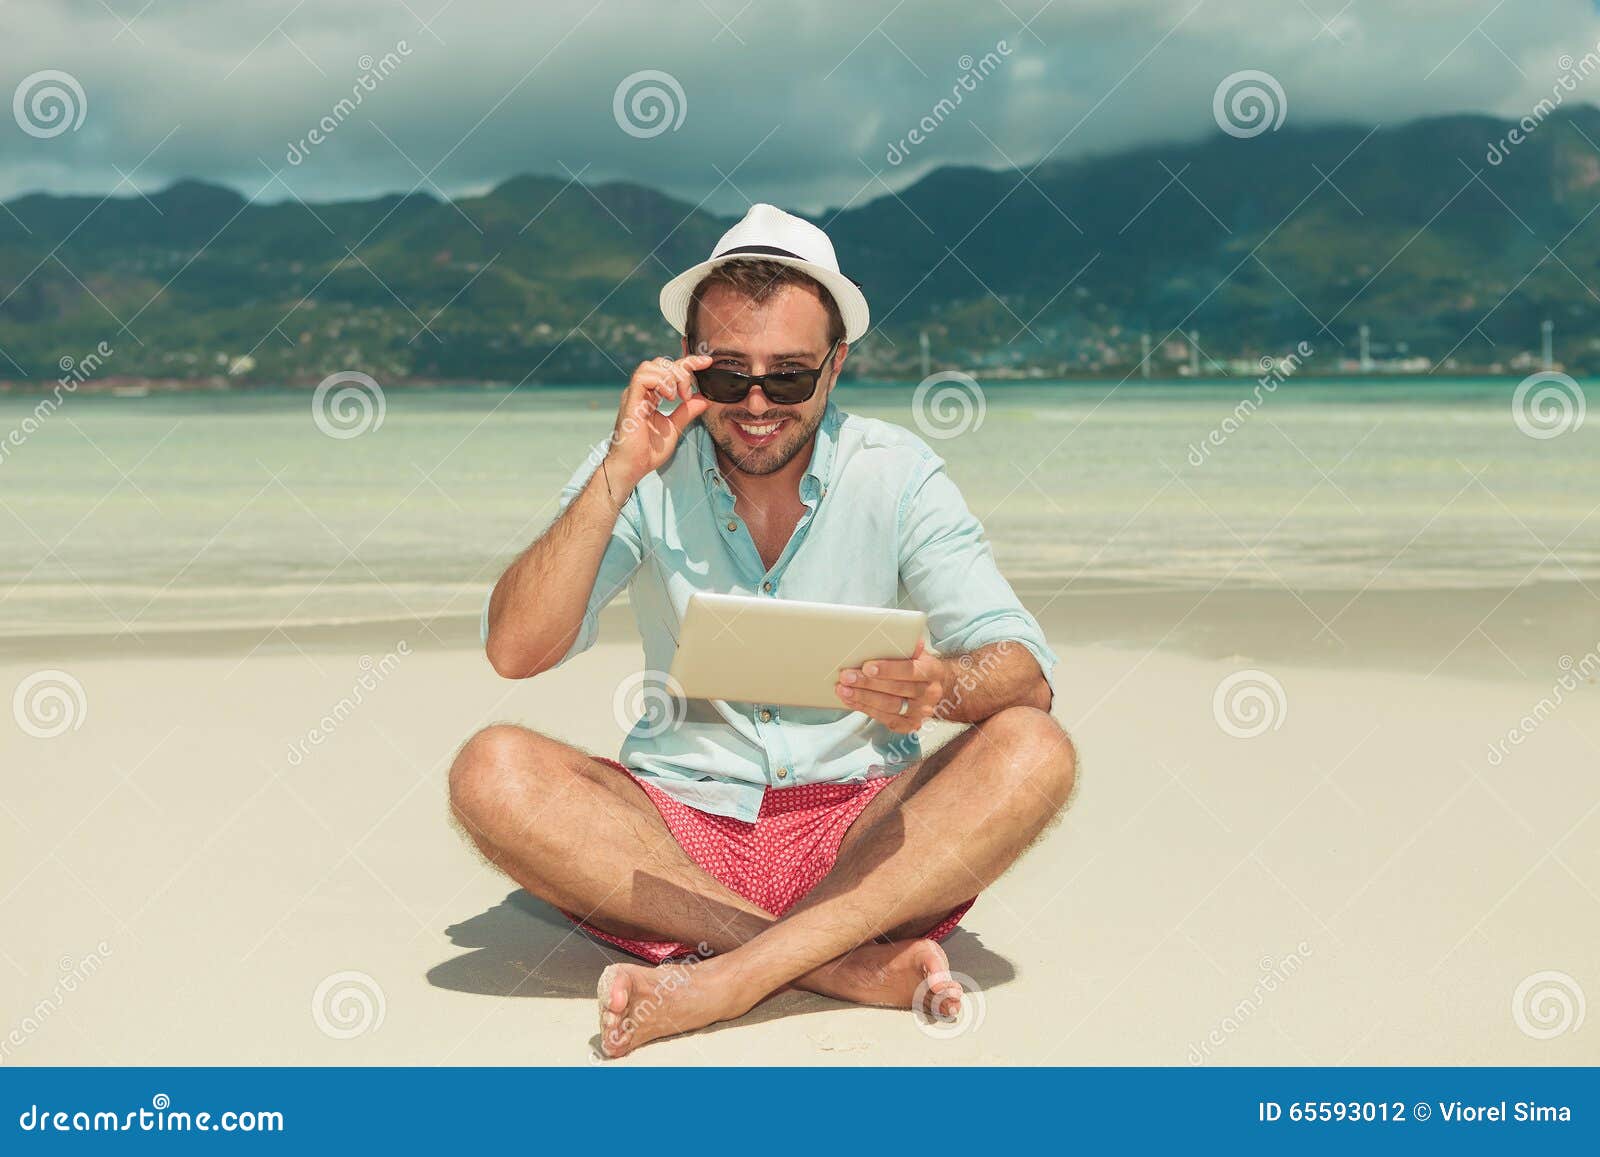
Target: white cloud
819, 90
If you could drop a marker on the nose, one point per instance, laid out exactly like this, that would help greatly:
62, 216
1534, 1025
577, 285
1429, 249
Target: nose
756, 402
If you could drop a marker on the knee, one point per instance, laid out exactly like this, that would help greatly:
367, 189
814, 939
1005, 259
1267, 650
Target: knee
488, 767
1039, 754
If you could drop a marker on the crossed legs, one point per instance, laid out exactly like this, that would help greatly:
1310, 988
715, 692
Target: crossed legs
580, 835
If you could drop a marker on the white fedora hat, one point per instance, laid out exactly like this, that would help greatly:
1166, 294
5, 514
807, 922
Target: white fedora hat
770, 234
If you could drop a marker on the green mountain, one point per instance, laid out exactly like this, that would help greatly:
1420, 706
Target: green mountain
1257, 244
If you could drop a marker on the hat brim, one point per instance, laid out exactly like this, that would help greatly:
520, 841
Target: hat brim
847, 295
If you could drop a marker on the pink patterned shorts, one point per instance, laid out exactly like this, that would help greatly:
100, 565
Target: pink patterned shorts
773, 862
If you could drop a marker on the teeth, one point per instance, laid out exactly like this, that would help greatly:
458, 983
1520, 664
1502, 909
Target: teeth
759, 431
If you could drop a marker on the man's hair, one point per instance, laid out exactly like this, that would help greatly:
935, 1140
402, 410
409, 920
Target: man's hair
757, 279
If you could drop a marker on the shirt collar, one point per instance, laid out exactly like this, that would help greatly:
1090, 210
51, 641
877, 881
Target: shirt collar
818, 474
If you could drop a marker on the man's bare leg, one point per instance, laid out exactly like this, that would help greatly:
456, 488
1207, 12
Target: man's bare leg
949, 836
583, 837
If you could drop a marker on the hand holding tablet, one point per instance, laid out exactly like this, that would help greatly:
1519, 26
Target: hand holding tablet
794, 654
901, 694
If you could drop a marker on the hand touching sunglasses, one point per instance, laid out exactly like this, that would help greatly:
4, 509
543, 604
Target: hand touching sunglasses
785, 388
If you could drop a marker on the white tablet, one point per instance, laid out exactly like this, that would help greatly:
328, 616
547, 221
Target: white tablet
779, 651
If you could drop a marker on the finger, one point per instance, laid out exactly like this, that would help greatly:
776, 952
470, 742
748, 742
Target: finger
914, 669
902, 724
680, 380
911, 688
662, 383
878, 704
661, 425
687, 412
696, 361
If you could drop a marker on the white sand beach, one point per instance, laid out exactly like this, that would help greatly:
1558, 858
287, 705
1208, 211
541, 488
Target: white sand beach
1360, 883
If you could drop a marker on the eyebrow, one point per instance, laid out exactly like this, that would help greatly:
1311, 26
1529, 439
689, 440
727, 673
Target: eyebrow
801, 356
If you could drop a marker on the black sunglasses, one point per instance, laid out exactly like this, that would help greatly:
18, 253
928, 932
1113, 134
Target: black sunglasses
785, 388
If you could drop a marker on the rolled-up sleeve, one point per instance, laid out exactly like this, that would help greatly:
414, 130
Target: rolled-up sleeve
949, 571
617, 565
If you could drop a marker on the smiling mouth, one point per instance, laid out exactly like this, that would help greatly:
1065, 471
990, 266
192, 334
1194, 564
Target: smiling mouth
759, 433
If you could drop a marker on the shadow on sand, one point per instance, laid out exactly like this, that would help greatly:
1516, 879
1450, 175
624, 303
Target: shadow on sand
524, 947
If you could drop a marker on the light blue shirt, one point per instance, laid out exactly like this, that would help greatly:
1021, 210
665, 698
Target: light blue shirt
884, 526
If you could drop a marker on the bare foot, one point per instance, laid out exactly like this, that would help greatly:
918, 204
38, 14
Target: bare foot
896, 975
639, 1004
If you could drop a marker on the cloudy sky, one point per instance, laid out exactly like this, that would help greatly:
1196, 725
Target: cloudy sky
805, 102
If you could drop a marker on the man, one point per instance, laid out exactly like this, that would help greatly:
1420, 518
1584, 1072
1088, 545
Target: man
798, 847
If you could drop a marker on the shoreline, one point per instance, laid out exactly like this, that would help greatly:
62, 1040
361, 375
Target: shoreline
134, 387
1493, 633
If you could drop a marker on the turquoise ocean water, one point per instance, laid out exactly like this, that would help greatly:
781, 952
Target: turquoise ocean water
212, 509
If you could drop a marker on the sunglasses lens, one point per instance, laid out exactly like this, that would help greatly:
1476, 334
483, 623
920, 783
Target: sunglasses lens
722, 386
790, 389
728, 387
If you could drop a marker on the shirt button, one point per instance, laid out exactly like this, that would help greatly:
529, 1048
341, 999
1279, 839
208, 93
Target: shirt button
766, 586
766, 716
732, 525
783, 773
